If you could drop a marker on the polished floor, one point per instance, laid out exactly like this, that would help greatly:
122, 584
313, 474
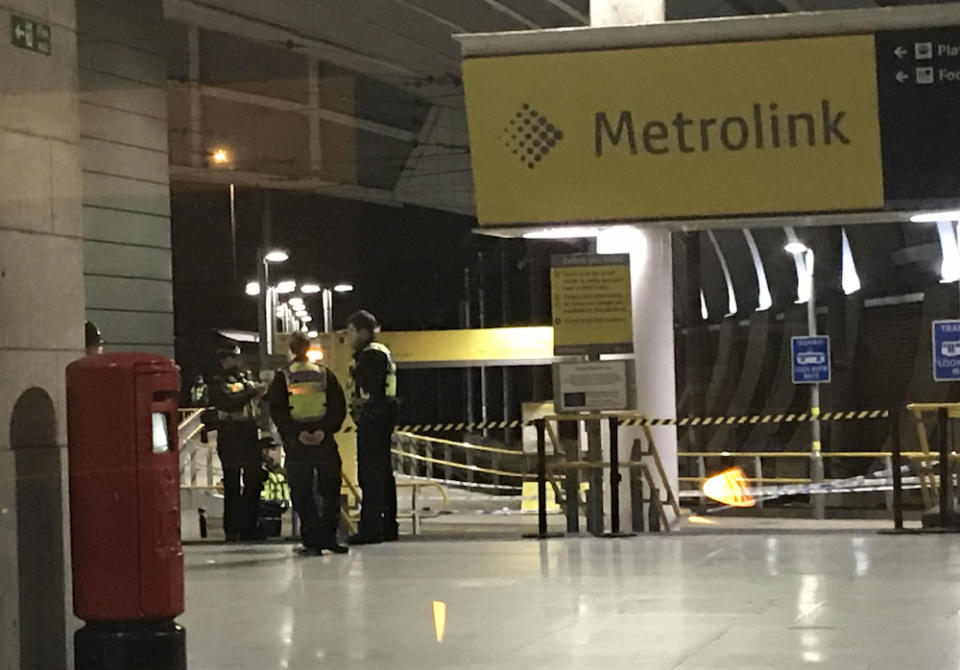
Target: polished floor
852, 601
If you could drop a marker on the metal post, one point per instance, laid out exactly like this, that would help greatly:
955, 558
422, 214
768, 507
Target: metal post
816, 457
263, 308
571, 486
327, 298
541, 427
943, 447
888, 474
614, 476
896, 465
233, 229
758, 475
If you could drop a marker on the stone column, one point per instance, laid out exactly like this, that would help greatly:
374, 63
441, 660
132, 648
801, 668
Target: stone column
41, 330
651, 264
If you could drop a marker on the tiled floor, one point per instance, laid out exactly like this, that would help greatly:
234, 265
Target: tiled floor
726, 601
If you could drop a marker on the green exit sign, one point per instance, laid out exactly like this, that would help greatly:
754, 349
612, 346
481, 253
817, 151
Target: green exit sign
29, 34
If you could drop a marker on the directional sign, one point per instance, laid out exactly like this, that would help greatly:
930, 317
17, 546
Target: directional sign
31, 35
918, 78
810, 359
946, 351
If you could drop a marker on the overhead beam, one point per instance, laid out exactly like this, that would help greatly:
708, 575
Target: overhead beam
291, 106
278, 182
244, 25
456, 27
513, 14
571, 11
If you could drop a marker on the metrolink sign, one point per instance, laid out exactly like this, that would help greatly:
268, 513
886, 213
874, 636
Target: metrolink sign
827, 124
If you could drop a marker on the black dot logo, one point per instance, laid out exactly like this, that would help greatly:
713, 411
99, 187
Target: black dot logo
531, 136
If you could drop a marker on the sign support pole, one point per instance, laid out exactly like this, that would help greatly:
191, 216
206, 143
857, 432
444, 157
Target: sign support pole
816, 455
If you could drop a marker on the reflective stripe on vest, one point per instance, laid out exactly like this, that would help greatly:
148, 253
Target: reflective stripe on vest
250, 409
307, 385
391, 384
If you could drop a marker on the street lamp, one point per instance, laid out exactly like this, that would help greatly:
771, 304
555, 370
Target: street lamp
267, 301
797, 248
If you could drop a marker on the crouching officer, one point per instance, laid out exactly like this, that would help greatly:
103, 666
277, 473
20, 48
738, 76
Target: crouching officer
373, 406
236, 397
308, 407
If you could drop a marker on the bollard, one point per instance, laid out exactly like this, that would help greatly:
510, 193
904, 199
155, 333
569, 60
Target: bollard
653, 518
542, 534
946, 488
203, 523
614, 477
896, 467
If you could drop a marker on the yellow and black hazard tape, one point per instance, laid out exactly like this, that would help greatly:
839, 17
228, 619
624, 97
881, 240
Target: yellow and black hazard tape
754, 419
684, 422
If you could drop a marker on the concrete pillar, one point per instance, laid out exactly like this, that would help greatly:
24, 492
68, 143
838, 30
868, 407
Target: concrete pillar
651, 264
626, 12
126, 173
41, 331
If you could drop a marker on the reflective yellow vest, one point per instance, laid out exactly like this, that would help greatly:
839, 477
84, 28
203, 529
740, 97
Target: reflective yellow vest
250, 410
359, 396
307, 386
275, 487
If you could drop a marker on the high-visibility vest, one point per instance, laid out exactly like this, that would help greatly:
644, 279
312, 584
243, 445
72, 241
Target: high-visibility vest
357, 395
276, 486
307, 386
250, 409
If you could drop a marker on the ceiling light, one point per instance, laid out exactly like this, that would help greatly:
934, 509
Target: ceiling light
562, 233
253, 288
286, 287
796, 248
313, 334
936, 217
310, 288
306, 319
276, 256
344, 287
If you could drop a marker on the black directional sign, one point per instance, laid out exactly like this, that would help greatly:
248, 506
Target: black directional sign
31, 35
919, 93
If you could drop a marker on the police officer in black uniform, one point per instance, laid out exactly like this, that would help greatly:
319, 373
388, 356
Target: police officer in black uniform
373, 406
308, 407
236, 396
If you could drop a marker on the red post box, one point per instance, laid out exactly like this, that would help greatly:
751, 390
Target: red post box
125, 511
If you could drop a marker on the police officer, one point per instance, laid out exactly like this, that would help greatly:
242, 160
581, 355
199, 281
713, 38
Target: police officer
308, 407
373, 406
236, 396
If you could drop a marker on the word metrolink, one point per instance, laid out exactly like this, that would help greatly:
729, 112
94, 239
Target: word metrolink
766, 127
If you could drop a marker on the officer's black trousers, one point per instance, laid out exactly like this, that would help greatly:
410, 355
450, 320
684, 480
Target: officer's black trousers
308, 482
378, 511
243, 477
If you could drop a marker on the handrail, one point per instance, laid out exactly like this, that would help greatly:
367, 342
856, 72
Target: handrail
462, 445
461, 466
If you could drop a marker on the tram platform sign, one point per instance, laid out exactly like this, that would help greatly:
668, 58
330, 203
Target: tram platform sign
810, 359
946, 351
846, 124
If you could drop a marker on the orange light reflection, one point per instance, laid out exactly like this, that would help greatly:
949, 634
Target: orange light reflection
730, 487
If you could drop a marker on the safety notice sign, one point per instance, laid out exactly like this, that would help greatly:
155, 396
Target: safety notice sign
592, 305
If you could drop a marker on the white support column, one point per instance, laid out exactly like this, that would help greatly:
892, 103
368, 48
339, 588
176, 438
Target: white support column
626, 12
651, 264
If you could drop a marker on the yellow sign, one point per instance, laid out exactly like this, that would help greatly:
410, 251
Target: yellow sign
592, 305
783, 126
445, 348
